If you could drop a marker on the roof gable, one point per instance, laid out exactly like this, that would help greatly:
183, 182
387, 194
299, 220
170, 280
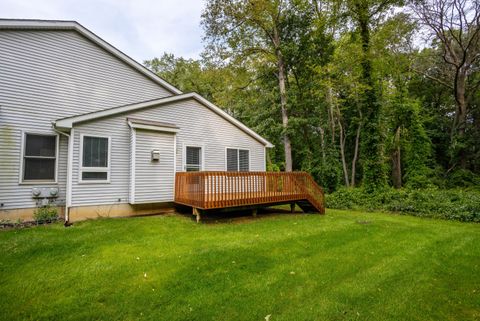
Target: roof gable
67, 123
18, 24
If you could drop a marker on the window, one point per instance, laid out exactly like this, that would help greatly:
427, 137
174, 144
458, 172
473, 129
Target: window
39, 157
238, 160
95, 159
193, 159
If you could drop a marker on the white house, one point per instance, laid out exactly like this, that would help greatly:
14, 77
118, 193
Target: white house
88, 129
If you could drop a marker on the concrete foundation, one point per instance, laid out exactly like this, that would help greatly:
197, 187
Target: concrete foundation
24, 214
80, 213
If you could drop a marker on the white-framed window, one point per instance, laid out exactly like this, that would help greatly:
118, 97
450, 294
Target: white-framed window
94, 159
193, 159
237, 159
39, 158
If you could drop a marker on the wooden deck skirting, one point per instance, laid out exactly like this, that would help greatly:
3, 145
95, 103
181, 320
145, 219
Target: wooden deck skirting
214, 190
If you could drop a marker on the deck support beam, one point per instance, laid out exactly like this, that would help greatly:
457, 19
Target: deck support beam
292, 207
254, 212
196, 212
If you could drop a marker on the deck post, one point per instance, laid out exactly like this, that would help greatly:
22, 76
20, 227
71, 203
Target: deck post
196, 212
292, 207
254, 212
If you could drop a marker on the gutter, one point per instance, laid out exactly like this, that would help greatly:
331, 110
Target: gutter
68, 192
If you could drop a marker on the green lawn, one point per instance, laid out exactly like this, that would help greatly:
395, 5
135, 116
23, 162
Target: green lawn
341, 266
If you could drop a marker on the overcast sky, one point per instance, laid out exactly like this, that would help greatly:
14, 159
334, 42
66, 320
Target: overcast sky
142, 29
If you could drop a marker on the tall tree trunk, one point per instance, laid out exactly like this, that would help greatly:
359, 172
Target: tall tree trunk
461, 114
331, 114
342, 148
374, 175
397, 162
355, 154
322, 143
283, 103
342, 155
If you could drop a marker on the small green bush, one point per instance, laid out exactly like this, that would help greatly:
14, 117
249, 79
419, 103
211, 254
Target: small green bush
451, 204
45, 214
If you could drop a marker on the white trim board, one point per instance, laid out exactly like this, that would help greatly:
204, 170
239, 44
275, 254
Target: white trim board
68, 196
27, 24
153, 127
133, 149
67, 123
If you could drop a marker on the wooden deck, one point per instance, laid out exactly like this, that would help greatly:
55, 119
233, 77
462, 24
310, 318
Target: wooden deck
215, 190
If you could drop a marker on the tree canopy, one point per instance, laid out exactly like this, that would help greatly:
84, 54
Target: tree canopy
357, 92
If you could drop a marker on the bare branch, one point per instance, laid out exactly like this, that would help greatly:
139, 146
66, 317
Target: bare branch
440, 81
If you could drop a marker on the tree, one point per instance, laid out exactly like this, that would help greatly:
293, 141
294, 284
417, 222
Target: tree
455, 26
365, 14
340, 86
253, 29
343, 89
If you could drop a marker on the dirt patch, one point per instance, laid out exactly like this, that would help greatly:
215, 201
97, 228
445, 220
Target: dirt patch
364, 222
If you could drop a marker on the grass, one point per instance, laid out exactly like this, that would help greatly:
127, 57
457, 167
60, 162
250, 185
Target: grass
341, 266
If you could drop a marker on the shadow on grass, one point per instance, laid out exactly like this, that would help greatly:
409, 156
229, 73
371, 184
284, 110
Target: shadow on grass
237, 216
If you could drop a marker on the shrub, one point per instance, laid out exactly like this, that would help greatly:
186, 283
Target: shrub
462, 178
45, 214
451, 204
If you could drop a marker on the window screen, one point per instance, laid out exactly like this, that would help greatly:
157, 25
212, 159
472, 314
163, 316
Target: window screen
193, 159
39, 157
238, 160
232, 160
95, 151
243, 160
40, 145
95, 166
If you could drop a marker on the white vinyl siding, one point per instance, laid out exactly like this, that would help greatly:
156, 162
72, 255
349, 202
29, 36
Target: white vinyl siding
198, 126
154, 180
47, 75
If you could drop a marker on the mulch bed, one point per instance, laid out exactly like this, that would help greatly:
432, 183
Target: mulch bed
19, 225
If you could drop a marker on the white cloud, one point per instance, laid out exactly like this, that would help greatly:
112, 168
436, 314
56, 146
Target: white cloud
142, 29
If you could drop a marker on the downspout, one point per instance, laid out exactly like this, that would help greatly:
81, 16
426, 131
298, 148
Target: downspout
68, 192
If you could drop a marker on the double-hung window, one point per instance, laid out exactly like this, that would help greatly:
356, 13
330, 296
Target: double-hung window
238, 160
95, 159
193, 159
39, 158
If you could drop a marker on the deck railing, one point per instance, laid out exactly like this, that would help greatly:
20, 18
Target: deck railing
210, 190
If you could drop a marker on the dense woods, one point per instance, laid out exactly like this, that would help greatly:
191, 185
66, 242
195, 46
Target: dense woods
370, 93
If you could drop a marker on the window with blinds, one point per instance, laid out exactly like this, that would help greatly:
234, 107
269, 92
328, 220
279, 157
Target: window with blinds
238, 160
193, 159
95, 159
39, 157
